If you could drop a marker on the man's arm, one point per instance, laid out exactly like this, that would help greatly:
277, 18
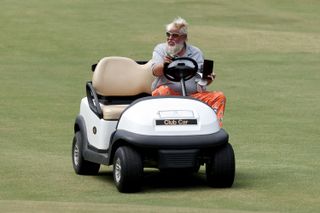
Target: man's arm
157, 69
159, 57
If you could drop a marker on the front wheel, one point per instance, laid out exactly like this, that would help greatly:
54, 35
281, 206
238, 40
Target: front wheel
127, 169
220, 169
80, 165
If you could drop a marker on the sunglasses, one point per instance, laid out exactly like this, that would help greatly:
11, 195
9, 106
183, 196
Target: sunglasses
174, 35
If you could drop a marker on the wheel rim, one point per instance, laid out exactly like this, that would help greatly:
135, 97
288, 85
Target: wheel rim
76, 155
117, 172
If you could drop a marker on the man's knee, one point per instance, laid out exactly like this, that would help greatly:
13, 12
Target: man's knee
219, 95
163, 91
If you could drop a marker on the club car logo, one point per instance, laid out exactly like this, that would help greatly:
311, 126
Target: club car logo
171, 122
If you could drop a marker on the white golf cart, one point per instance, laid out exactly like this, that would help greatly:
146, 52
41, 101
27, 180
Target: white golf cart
120, 124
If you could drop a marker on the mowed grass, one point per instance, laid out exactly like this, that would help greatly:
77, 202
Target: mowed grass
267, 56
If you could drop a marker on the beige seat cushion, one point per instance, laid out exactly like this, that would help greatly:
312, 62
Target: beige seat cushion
120, 76
113, 112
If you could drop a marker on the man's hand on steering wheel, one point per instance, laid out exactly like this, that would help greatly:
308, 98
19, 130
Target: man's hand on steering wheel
168, 59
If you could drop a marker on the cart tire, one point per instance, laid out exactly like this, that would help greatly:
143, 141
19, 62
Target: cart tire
80, 165
127, 170
220, 170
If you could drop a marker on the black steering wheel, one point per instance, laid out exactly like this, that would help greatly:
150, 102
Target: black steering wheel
180, 68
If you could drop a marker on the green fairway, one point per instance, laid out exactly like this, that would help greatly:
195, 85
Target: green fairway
267, 60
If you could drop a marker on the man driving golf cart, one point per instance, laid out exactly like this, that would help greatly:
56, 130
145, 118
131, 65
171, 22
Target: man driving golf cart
176, 46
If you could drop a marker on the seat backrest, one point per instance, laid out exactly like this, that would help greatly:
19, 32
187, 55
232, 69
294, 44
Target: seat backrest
121, 76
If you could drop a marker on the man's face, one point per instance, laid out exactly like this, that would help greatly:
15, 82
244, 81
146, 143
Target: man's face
174, 37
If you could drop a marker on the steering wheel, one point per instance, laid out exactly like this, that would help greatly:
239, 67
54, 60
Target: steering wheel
180, 68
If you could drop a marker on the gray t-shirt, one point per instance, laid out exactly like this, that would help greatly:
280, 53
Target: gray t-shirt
158, 56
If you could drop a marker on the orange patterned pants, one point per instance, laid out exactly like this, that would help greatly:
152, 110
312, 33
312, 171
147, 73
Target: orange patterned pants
215, 99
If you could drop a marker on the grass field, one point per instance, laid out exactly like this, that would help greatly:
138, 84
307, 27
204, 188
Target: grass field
267, 55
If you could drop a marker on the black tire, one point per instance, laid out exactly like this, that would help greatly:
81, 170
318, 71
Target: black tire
196, 169
80, 165
127, 169
220, 170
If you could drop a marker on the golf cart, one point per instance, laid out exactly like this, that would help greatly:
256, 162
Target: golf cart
121, 124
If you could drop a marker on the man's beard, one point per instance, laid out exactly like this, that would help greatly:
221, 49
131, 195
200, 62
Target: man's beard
175, 49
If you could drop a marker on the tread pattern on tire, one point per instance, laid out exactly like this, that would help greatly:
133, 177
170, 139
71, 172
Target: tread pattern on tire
220, 170
131, 169
84, 167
